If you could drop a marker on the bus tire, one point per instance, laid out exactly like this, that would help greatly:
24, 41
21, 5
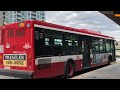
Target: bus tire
69, 70
109, 59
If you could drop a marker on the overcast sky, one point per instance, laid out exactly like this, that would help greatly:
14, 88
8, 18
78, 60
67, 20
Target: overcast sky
92, 20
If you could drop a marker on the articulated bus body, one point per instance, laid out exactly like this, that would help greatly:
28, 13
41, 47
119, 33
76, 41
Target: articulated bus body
37, 49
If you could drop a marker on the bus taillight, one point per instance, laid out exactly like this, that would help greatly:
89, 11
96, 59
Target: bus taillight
0, 57
29, 57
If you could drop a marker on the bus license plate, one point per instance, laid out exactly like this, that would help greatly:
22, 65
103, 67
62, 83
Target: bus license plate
15, 60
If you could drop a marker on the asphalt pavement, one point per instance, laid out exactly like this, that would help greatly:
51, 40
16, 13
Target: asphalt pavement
111, 71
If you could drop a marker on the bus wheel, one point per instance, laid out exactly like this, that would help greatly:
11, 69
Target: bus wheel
109, 59
69, 70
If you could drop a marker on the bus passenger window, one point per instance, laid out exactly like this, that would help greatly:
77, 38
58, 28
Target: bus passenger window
108, 45
47, 41
102, 45
58, 42
37, 35
41, 35
95, 45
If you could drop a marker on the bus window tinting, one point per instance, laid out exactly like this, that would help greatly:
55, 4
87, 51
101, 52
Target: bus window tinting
108, 46
112, 45
54, 43
53, 38
71, 39
95, 45
47, 41
36, 35
58, 42
71, 44
102, 45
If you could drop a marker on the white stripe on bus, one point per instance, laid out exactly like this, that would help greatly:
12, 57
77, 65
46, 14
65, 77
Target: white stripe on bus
56, 59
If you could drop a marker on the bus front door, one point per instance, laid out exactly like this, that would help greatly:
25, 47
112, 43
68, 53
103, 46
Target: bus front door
86, 52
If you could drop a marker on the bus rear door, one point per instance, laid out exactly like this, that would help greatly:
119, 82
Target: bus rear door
86, 52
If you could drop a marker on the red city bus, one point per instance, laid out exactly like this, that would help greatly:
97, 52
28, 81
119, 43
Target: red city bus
38, 49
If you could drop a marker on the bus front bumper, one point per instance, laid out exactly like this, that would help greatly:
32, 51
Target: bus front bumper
16, 73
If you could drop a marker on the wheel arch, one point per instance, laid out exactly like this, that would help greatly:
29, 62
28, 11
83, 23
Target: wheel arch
69, 60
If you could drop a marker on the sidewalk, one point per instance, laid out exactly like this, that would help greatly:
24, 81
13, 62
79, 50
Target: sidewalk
107, 72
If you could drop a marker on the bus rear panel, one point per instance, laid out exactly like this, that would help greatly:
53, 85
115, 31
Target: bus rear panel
16, 50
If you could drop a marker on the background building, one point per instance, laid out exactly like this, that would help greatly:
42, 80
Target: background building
1, 19
17, 16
